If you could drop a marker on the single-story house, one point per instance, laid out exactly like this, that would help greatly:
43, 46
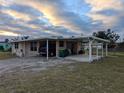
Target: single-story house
78, 47
4, 46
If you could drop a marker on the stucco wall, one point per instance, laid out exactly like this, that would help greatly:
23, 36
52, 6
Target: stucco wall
28, 52
25, 46
18, 50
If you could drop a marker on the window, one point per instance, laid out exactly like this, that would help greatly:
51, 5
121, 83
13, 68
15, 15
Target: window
16, 45
61, 44
33, 46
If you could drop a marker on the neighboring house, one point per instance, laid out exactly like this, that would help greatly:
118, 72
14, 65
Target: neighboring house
55, 46
5, 46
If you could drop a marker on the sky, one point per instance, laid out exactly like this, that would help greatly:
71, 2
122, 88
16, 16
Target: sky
39, 18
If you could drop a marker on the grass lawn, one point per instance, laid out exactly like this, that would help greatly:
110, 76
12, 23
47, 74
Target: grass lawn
105, 76
5, 55
120, 54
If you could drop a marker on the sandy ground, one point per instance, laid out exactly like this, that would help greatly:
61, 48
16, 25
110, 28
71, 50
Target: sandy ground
29, 64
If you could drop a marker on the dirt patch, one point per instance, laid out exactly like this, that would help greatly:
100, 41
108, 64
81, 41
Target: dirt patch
29, 64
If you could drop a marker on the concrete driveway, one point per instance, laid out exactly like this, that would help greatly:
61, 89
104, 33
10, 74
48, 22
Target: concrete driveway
29, 64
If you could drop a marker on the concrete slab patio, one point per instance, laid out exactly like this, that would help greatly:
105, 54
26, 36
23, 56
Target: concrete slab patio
82, 58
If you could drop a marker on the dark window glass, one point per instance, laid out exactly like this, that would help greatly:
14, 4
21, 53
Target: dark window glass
16, 45
33, 46
61, 44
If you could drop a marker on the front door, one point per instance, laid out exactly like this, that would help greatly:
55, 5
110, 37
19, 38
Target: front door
72, 46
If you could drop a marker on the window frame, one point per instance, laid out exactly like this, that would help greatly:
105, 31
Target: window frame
61, 43
33, 46
16, 45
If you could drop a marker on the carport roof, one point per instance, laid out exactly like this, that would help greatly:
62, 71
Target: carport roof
88, 38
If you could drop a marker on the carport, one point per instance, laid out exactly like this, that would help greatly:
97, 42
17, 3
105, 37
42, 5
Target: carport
89, 42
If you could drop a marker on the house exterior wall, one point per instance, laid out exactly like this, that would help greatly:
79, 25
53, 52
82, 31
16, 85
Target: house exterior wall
28, 51
72, 47
17, 51
13, 49
25, 47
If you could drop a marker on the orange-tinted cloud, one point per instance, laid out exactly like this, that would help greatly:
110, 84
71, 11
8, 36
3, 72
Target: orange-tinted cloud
7, 33
52, 13
100, 5
17, 15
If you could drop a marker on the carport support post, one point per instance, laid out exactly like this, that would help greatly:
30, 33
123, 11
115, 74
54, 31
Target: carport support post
90, 51
106, 49
102, 50
97, 51
57, 48
47, 46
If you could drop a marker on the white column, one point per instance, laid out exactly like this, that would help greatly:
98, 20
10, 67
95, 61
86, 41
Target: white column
57, 48
38, 45
102, 50
90, 51
106, 49
97, 51
47, 46
24, 49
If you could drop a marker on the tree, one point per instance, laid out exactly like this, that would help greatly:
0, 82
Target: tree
121, 45
109, 35
123, 40
6, 40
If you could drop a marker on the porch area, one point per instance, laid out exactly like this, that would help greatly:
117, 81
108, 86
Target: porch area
74, 49
82, 58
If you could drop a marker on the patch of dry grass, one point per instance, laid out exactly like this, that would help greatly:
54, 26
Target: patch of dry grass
98, 77
5, 55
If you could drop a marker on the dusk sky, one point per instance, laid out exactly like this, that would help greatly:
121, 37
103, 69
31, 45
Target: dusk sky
60, 17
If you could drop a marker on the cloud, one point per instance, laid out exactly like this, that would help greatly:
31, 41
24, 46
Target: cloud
36, 17
25, 9
7, 33
60, 17
108, 12
98, 5
17, 15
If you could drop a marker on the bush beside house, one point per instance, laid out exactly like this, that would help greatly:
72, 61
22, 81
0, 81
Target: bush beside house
5, 46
